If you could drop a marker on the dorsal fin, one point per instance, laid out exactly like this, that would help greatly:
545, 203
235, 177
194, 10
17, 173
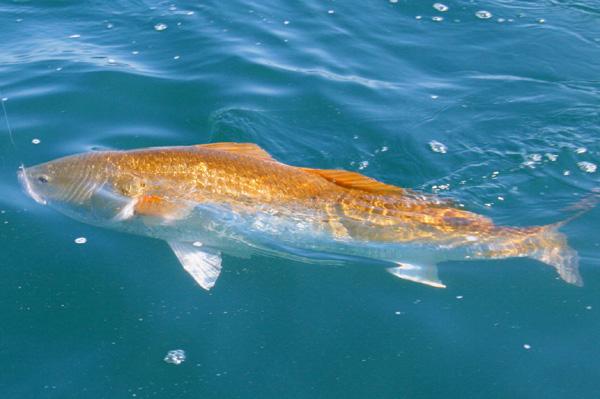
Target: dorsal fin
248, 149
354, 180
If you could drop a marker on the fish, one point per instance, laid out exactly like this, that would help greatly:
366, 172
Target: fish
231, 198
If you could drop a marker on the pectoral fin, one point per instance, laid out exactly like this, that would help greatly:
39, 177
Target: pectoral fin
203, 264
424, 274
108, 203
127, 211
160, 207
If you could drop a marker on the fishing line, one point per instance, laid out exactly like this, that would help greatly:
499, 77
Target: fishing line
10, 132
22, 174
10, 135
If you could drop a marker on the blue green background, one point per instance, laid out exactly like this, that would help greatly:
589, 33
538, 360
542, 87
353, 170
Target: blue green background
360, 85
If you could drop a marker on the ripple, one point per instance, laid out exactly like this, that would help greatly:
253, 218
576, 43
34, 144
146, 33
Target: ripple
503, 77
325, 74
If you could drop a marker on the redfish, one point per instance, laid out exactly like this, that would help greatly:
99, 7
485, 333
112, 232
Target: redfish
235, 198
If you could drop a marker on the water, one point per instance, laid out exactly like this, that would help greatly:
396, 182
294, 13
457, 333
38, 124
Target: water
511, 93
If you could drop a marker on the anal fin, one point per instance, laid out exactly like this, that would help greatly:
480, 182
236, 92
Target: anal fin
423, 274
203, 264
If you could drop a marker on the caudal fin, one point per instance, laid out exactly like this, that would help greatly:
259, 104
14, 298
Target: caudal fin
552, 249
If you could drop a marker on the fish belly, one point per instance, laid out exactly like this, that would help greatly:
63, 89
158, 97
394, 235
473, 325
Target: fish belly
303, 234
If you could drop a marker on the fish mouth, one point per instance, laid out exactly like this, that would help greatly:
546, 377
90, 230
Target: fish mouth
26, 183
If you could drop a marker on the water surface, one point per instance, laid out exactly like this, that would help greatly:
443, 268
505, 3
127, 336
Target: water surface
364, 86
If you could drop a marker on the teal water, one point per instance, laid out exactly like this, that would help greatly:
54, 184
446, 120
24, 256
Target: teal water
364, 86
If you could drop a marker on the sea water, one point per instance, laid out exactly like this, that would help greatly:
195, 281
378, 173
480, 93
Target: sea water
491, 103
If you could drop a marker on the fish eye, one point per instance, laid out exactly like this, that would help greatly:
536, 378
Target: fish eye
43, 179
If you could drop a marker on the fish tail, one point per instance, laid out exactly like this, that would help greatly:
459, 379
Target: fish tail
551, 247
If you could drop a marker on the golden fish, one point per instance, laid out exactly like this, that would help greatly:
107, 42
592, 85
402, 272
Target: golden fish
234, 197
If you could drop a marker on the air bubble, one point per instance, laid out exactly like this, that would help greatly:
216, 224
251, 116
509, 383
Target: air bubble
482, 14
438, 147
532, 160
535, 157
587, 167
176, 357
437, 19
160, 27
440, 7
80, 240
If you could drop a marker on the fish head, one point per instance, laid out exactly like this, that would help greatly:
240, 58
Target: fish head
86, 187
52, 181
